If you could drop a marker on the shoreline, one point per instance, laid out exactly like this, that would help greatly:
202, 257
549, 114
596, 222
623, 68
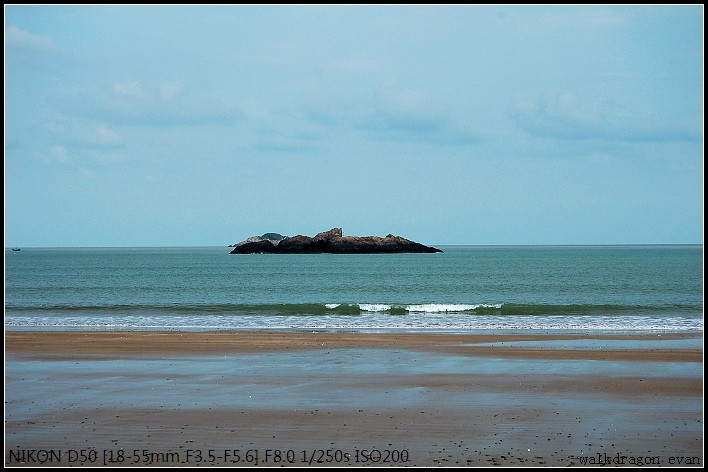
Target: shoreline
245, 398
113, 344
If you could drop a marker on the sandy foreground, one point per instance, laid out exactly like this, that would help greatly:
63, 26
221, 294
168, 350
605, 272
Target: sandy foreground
301, 399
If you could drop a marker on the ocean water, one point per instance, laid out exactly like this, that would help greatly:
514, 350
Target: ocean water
466, 289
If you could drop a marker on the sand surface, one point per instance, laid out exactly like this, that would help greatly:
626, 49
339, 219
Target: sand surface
303, 399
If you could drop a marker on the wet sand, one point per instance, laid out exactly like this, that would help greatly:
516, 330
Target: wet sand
301, 399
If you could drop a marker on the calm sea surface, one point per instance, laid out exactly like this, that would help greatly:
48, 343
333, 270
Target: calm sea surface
464, 289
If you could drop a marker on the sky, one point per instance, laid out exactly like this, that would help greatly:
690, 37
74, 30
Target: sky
204, 125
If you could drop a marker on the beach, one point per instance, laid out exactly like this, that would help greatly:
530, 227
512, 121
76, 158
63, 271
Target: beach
269, 398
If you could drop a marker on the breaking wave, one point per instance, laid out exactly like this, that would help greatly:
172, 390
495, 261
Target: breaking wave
315, 309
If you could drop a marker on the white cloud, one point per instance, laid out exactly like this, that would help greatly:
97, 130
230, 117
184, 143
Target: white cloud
76, 134
290, 139
554, 115
107, 136
59, 153
171, 90
541, 20
24, 40
131, 89
408, 114
56, 153
395, 113
139, 104
562, 116
406, 101
87, 173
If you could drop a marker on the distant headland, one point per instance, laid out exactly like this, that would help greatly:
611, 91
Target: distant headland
329, 242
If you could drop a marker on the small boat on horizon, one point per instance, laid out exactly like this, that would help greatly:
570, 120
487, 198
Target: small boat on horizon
16, 249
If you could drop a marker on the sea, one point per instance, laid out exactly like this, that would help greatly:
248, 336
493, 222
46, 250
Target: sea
464, 289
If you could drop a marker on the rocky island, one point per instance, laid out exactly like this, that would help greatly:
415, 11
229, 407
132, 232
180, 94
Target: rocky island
330, 242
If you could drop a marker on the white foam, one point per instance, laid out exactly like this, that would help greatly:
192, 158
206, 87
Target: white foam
332, 306
374, 307
445, 308
373, 316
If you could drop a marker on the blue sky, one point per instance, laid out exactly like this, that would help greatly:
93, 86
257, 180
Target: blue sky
181, 126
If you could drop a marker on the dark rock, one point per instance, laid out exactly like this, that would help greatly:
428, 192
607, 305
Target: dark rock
331, 234
332, 242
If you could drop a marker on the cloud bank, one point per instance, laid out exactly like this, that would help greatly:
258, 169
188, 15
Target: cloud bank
19, 39
161, 104
561, 116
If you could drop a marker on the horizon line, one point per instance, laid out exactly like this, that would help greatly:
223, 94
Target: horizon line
434, 245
